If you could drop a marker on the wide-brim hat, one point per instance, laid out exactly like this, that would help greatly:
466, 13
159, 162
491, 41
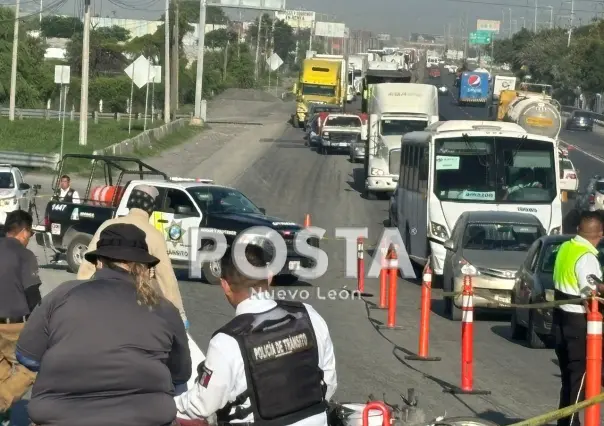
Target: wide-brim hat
122, 242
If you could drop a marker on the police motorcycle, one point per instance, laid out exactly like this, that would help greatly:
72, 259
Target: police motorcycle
407, 414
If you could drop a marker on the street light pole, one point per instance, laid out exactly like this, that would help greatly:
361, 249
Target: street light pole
551, 17
201, 42
13, 68
167, 62
535, 25
85, 74
510, 22
572, 16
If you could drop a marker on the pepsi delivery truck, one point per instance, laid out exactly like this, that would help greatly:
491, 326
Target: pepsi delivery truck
473, 88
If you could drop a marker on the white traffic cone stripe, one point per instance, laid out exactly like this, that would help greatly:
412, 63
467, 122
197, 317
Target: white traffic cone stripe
467, 316
467, 301
427, 278
594, 327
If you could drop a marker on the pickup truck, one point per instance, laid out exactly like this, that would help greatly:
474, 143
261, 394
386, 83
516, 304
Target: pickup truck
184, 203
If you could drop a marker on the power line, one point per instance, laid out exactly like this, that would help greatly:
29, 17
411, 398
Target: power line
511, 5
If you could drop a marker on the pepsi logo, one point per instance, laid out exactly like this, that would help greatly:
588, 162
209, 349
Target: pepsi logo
474, 80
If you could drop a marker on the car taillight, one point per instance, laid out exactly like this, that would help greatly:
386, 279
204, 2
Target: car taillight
46, 222
571, 176
592, 199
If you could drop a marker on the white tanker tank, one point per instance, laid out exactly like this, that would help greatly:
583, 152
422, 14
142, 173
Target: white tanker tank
536, 115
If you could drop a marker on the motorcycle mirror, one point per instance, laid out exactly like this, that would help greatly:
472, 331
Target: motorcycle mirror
593, 280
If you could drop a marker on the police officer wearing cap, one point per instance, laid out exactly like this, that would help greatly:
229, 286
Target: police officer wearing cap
576, 260
19, 295
273, 364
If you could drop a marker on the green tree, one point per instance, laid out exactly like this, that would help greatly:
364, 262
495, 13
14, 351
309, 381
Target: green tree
106, 52
61, 26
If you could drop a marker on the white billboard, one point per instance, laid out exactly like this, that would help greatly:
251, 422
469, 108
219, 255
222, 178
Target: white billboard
296, 18
330, 29
486, 25
250, 4
383, 37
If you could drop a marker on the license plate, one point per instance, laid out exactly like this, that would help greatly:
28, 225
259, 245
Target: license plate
502, 299
55, 229
294, 265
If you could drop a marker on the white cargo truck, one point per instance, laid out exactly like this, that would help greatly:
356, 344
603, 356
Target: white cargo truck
394, 110
503, 82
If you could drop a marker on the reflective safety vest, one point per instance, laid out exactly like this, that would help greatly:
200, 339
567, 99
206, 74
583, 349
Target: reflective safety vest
566, 283
281, 363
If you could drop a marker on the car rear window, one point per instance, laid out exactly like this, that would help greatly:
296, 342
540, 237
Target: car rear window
500, 236
567, 165
584, 114
600, 187
549, 257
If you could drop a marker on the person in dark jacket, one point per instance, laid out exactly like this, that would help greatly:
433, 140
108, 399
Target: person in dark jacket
108, 350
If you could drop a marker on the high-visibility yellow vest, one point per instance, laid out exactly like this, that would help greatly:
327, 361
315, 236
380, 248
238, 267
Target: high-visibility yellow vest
565, 277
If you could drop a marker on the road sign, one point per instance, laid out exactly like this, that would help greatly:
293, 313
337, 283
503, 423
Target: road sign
480, 37
274, 62
141, 71
62, 74
485, 25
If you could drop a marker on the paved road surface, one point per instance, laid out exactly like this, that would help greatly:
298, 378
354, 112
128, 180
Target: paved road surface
290, 180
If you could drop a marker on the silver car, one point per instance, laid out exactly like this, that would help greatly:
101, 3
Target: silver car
489, 246
356, 150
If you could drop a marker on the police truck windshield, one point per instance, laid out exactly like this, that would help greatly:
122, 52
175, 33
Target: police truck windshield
318, 90
400, 127
222, 200
494, 170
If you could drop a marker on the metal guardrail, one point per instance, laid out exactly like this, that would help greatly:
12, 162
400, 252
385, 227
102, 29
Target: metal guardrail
72, 115
25, 159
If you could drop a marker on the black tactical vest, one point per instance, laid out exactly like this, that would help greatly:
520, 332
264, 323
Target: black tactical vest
68, 198
281, 360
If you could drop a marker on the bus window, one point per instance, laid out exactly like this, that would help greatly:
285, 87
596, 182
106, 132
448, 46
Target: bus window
405, 177
423, 169
414, 167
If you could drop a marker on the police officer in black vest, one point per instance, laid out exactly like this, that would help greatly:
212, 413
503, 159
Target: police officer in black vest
273, 364
67, 194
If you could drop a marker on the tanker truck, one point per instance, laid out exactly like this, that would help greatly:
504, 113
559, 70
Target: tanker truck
539, 115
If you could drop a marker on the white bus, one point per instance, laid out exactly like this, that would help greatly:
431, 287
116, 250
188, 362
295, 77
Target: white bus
458, 166
394, 109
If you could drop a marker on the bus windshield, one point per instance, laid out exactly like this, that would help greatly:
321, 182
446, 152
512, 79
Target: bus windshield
400, 127
494, 169
318, 90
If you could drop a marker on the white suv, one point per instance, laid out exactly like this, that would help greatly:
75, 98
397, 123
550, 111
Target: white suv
569, 179
15, 194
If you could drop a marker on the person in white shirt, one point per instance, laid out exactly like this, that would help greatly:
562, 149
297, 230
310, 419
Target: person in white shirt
273, 362
67, 194
576, 260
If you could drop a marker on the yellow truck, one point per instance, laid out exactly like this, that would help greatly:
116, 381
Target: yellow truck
319, 82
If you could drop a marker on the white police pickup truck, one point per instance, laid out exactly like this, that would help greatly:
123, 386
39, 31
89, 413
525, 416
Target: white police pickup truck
15, 194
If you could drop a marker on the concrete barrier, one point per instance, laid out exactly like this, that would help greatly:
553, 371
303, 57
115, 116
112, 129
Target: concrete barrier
143, 140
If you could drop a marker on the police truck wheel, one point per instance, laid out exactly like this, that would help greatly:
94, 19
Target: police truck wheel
295, 121
533, 340
75, 251
212, 272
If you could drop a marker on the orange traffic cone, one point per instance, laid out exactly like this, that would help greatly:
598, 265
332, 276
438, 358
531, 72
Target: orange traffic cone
307, 221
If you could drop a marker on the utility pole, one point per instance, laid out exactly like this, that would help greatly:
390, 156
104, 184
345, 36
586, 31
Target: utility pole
13, 68
85, 75
510, 22
551, 17
201, 42
174, 60
572, 16
535, 25
167, 62
258, 32
312, 27
41, 17
266, 36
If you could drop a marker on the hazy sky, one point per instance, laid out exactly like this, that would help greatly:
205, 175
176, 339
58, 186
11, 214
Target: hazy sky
397, 17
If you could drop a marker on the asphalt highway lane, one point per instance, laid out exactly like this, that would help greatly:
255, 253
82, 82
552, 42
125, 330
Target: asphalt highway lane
290, 180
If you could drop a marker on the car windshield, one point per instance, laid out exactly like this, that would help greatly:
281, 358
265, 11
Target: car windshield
6, 180
599, 187
582, 114
504, 170
343, 121
318, 90
498, 236
566, 165
213, 199
400, 127
549, 257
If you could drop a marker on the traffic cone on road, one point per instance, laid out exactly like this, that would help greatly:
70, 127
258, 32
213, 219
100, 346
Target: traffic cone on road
307, 220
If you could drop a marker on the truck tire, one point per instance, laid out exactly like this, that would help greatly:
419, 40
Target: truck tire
295, 121
75, 251
212, 272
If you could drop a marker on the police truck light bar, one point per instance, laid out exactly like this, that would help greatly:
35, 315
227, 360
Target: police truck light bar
182, 179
